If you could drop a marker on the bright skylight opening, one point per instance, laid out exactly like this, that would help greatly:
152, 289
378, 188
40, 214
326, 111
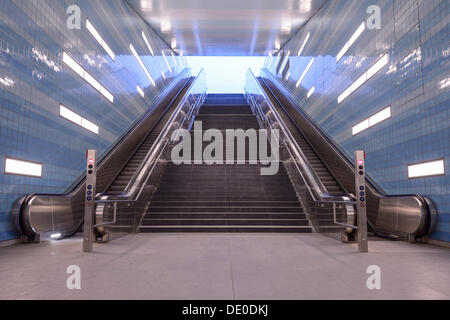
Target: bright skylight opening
226, 74
373, 70
139, 60
305, 72
78, 69
351, 41
381, 116
100, 40
23, 168
427, 169
77, 119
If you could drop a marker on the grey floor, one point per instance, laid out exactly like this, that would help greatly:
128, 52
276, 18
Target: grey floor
232, 266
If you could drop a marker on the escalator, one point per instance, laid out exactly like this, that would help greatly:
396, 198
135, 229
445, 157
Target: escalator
406, 217
37, 215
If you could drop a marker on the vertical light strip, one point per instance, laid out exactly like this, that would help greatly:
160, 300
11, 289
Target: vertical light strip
305, 72
141, 92
373, 70
285, 62
100, 40
167, 62
142, 64
351, 41
147, 43
287, 76
311, 91
78, 69
23, 168
164, 76
304, 44
173, 57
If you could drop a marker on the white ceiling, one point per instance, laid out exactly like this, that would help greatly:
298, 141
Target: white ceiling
226, 27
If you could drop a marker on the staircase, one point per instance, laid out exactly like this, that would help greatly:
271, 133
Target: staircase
225, 198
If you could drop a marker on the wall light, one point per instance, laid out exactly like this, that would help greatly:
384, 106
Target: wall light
304, 44
373, 70
147, 43
427, 169
142, 65
77, 119
305, 72
372, 121
78, 69
100, 40
351, 41
23, 168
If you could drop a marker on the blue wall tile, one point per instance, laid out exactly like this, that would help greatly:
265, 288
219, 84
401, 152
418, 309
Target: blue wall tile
415, 84
33, 37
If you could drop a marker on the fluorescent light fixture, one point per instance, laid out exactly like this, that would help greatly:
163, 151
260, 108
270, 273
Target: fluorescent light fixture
287, 76
167, 62
311, 91
78, 69
360, 127
89, 126
351, 41
23, 168
77, 119
56, 235
174, 60
427, 169
164, 76
372, 121
70, 115
304, 44
270, 57
142, 65
305, 72
373, 70
100, 40
147, 43
380, 117
141, 92
285, 62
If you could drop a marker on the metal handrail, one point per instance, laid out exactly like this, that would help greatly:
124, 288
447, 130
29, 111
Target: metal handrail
298, 156
147, 166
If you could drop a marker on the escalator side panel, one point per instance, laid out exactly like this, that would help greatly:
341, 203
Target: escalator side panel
46, 213
338, 166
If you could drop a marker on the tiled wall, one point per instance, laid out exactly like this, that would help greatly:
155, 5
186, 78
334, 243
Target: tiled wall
415, 84
34, 81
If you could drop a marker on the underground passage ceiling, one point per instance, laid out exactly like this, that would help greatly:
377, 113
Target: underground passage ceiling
226, 28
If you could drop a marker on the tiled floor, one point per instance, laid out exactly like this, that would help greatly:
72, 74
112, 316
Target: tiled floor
204, 266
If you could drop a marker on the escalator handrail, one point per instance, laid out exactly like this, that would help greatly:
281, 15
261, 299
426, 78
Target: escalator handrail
24, 202
318, 128
139, 180
338, 150
426, 205
324, 197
